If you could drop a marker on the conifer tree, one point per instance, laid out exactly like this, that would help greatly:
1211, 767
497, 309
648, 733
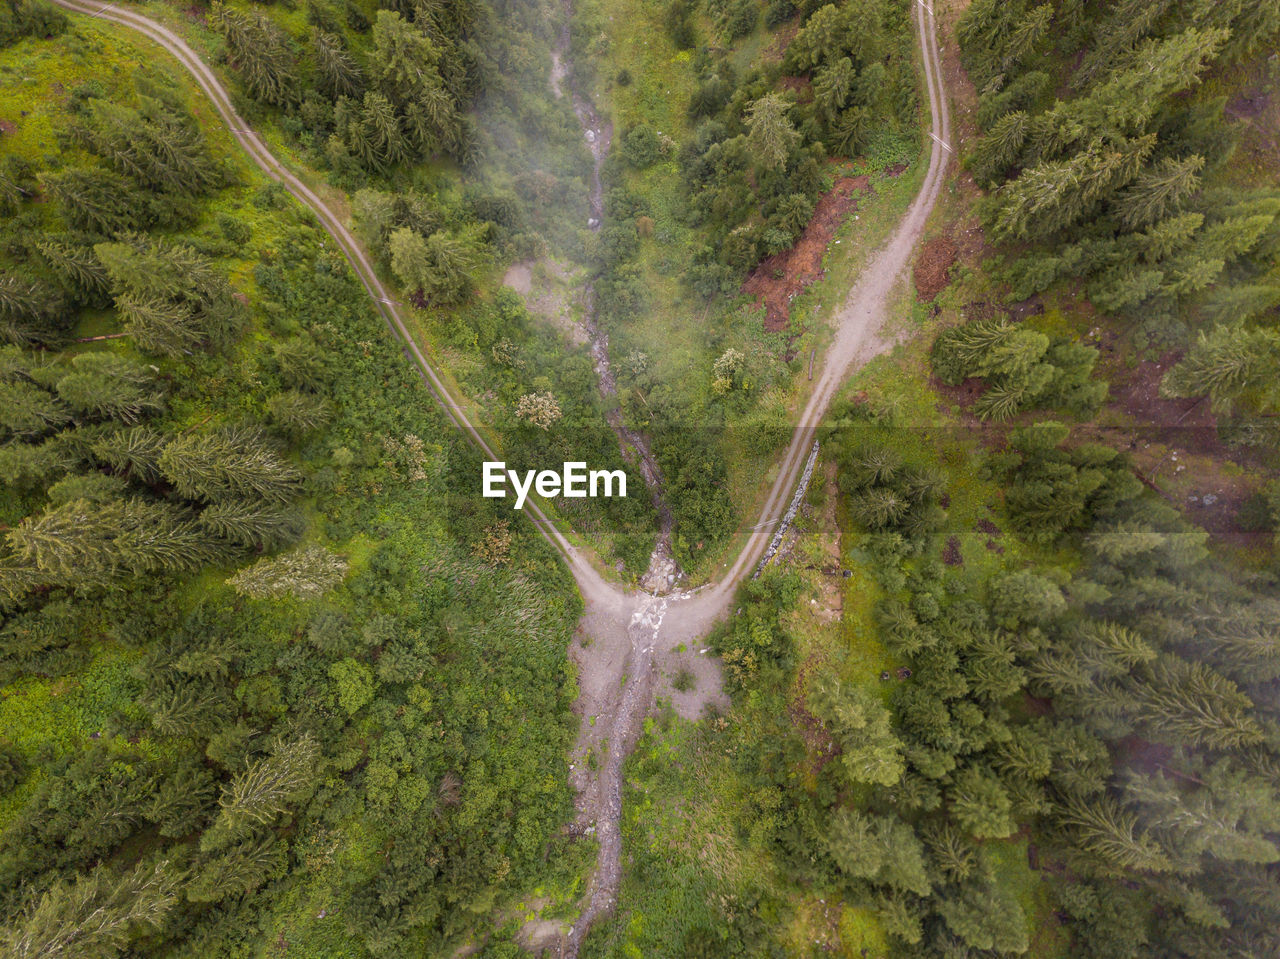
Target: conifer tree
1228, 364
770, 134
97, 201
77, 268
263, 526
135, 451
87, 545
237, 870
153, 144
257, 797
305, 572
339, 73
103, 385
94, 915
259, 52
299, 414
981, 804
880, 849
30, 312
870, 753
228, 463
1099, 827
1159, 191
28, 412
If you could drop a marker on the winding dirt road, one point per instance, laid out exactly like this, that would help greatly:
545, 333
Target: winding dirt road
625, 633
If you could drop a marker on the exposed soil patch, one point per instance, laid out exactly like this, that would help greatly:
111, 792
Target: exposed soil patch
932, 266
7, 126
782, 277
800, 87
1187, 424
546, 288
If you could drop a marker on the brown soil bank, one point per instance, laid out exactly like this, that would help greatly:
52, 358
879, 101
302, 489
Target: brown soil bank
783, 276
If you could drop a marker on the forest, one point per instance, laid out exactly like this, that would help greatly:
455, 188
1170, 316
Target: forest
266, 655
1045, 724
275, 678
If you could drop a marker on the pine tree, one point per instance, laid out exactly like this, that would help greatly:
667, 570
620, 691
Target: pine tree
1227, 364
182, 799
238, 870
30, 312
981, 804
159, 326
996, 152
1099, 827
106, 386
136, 451
258, 796
770, 135
1025, 37
86, 545
153, 144
983, 914
94, 915
305, 572
1242, 640
340, 74
870, 752
77, 268
1184, 702
97, 201
880, 849
262, 526
831, 88
259, 52
228, 463
28, 412
1159, 191
299, 414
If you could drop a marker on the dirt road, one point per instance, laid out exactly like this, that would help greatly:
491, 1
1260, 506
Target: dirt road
623, 635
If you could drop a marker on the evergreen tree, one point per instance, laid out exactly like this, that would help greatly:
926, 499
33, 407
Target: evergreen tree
77, 268
770, 135
305, 572
1100, 828
339, 73
870, 753
28, 412
981, 804
95, 915
135, 451
1229, 364
85, 545
30, 312
880, 849
238, 870
260, 795
153, 144
228, 463
1159, 191
262, 526
97, 201
103, 385
259, 52
299, 414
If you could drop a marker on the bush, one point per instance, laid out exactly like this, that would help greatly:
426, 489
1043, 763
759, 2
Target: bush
641, 147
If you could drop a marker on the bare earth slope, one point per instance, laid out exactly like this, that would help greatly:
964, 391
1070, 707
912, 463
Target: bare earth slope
625, 634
